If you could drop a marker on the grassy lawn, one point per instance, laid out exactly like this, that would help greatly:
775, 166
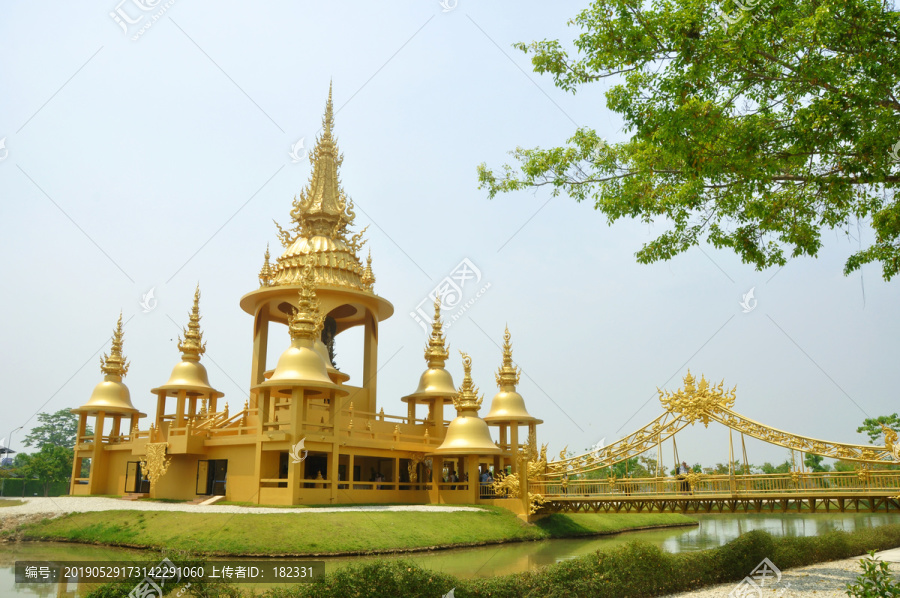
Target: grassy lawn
5, 502
321, 533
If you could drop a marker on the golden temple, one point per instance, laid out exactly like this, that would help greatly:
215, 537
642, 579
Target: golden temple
307, 435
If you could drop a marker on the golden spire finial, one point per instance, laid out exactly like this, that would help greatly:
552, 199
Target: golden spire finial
306, 322
328, 119
467, 398
322, 208
115, 364
192, 347
436, 354
266, 274
508, 374
368, 277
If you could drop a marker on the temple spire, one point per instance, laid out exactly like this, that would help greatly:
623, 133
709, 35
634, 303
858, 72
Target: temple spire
115, 364
328, 119
192, 347
306, 322
322, 208
508, 374
266, 273
467, 398
436, 354
368, 277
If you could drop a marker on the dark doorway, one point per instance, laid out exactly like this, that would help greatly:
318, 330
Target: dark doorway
211, 475
316, 464
135, 481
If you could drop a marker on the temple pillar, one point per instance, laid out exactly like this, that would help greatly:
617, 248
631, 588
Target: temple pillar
370, 359
514, 446
260, 345
472, 487
296, 471
179, 409
335, 415
98, 467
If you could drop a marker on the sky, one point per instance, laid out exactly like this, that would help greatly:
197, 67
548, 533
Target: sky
149, 146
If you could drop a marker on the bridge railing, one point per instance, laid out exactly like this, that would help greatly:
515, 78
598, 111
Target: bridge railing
749, 485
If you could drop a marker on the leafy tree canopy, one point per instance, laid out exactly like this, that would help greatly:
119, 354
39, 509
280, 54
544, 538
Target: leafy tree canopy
58, 429
814, 463
756, 130
872, 426
53, 463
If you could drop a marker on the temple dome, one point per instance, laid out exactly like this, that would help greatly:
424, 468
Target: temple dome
467, 434
111, 396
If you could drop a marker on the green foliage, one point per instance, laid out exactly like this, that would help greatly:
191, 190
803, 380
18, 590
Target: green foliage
875, 580
782, 468
636, 569
58, 429
814, 463
51, 464
872, 426
196, 589
758, 136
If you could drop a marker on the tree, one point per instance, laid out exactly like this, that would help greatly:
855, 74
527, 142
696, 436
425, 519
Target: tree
758, 135
53, 463
814, 463
58, 429
872, 426
769, 468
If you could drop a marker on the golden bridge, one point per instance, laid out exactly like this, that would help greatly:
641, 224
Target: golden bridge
584, 483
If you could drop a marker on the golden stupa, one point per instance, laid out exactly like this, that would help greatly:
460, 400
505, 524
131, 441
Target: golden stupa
307, 434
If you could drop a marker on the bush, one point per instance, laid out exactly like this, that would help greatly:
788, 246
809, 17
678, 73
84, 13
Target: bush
635, 570
875, 581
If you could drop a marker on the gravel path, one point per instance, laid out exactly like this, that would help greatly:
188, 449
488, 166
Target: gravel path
59, 505
825, 580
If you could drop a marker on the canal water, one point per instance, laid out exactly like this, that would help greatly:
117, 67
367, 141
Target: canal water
486, 561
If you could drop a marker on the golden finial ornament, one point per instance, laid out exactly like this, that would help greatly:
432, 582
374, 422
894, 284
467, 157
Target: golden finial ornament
467, 397
508, 375
508, 405
306, 322
322, 208
115, 364
266, 273
697, 401
436, 353
368, 277
192, 347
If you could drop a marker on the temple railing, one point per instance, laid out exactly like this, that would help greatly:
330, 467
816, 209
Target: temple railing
875, 482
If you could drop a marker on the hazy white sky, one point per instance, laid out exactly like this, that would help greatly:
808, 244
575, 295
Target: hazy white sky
157, 158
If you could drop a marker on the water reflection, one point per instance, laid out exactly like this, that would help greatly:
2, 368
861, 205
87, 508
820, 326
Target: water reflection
487, 561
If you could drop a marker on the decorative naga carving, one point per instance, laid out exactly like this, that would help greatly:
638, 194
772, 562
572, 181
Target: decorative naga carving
155, 464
